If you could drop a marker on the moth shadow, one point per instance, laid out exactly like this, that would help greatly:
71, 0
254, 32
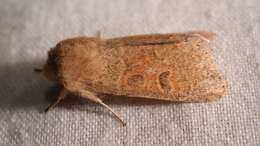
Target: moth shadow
134, 101
21, 87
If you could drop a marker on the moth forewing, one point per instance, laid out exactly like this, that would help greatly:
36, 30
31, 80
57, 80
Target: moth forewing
176, 67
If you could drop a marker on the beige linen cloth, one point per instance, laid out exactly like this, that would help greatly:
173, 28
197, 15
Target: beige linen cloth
29, 28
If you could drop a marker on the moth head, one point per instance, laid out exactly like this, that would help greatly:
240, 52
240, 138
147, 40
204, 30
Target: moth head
50, 68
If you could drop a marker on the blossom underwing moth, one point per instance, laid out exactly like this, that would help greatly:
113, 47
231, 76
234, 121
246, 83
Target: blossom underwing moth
175, 67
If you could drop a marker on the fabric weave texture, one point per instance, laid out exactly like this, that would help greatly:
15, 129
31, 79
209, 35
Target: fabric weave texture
29, 28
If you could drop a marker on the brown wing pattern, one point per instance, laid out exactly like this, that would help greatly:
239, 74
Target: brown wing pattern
175, 67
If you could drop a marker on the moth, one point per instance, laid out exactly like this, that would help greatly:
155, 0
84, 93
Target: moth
175, 67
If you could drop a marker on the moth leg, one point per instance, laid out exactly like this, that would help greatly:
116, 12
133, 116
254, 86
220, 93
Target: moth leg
61, 96
91, 96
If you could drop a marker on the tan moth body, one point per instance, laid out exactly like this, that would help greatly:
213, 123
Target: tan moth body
175, 67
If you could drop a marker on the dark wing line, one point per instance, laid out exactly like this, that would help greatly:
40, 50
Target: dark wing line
151, 43
156, 39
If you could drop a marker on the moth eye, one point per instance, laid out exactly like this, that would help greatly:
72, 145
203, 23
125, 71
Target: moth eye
135, 80
164, 81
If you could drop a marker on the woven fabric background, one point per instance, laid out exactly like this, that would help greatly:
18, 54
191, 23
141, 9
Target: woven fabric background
29, 28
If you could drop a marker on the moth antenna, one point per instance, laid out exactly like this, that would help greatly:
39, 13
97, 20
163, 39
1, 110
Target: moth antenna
61, 96
99, 34
114, 113
38, 70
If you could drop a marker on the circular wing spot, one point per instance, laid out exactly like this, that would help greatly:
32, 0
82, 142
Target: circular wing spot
135, 80
164, 81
